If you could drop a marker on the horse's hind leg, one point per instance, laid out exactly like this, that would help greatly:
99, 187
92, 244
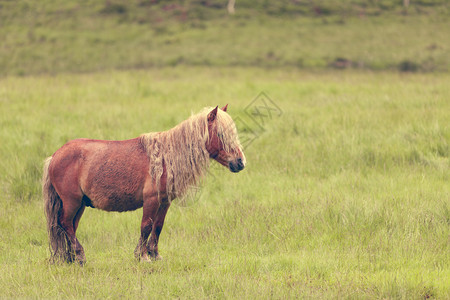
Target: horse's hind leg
79, 251
71, 214
156, 230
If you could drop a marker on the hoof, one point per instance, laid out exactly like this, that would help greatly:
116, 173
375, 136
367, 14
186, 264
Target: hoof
155, 255
81, 263
80, 259
145, 258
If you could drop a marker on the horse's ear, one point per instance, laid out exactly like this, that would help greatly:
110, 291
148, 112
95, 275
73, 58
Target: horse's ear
212, 114
225, 107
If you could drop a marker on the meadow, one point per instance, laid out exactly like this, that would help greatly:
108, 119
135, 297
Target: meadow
66, 36
346, 193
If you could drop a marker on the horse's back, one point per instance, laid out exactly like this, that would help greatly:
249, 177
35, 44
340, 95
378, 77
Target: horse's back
111, 174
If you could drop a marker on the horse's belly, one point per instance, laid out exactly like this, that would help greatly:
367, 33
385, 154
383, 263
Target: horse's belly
115, 191
116, 201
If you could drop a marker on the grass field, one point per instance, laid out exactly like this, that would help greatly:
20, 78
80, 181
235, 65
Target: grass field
60, 36
346, 193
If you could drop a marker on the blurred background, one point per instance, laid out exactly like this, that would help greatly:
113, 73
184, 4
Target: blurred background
54, 36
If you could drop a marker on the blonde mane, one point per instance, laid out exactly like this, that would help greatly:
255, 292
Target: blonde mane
182, 150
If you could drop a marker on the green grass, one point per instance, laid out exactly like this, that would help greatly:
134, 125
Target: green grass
346, 194
53, 37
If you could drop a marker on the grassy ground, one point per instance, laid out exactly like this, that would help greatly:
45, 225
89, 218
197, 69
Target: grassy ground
346, 193
52, 37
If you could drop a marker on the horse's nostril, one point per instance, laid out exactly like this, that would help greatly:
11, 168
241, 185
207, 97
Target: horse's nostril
240, 163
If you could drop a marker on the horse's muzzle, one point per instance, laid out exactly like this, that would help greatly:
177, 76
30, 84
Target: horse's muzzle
236, 166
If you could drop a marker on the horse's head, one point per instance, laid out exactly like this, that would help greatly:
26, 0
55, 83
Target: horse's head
223, 144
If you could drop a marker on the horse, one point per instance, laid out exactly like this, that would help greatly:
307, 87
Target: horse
148, 171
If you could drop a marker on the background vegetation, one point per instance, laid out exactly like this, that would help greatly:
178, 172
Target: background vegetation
72, 36
346, 193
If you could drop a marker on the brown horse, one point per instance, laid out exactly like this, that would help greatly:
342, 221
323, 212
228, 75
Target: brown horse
148, 171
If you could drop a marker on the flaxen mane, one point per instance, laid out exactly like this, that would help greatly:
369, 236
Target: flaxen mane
182, 150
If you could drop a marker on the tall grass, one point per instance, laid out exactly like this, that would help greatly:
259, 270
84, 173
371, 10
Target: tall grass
346, 194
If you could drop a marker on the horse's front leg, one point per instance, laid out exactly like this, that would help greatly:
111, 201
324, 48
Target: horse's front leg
156, 230
150, 208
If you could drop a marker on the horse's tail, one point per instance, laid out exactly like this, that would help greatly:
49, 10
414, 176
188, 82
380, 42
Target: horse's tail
59, 243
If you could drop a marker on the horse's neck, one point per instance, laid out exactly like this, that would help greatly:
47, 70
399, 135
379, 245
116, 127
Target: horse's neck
186, 158
193, 149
